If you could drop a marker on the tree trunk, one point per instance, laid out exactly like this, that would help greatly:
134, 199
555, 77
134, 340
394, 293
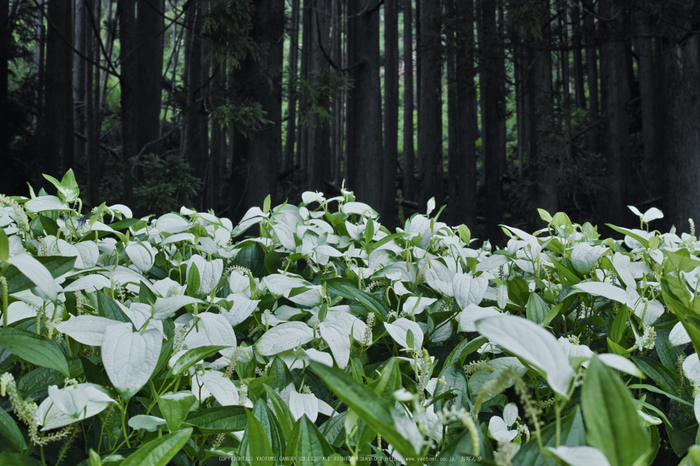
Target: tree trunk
4, 97
615, 93
409, 156
430, 104
364, 125
149, 30
82, 29
128, 84
391, 110
680, 129
292, 78
58, 122
592, 71
319, 132
493, 118
462, 163
260, 80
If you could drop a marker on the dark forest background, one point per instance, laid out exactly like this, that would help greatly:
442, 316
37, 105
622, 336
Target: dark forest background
493, 107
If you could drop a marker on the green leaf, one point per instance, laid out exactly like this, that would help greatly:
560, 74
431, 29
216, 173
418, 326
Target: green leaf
258, 442
33, 348
4, 246
266, 204
159, 451
8, 458
657, 372
536, 309
109, 309
570, 276
379, 414
346, 289
191, 357
612, 422
193, 281
10, 432
464, 233
464, 349
625, 231
146, 296
283, 414
617, 328
573, 434
308, 444
218, 420
50, 225
544, 215
174, 407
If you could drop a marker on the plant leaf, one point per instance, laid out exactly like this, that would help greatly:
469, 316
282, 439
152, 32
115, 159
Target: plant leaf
159, 451
33, 348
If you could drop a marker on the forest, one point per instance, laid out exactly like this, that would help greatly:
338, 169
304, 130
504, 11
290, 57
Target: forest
493, 107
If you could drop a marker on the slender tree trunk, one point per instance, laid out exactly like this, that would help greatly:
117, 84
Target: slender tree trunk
82, 29
319, 133
339, 101
430, 105
292, 78
92, 97
58, 123
364, 130
615, 97
651, 108
681, 142
578, 57
590, 34
462, 172
128, 83
149, 75
260, 79
4, 72
391, 110
493, 120
409, 156
306, 52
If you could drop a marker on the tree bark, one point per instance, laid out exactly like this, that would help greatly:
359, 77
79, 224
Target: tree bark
615, 95
364, 114
260, 80
4, 73
462, 163
127, 80
430, 105
292, 78
391, 110
493, 118
149, 74
409, 155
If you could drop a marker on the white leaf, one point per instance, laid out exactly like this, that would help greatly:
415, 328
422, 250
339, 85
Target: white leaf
51, 417
89, 253
510, 413
696, 407
166, 307
86, 329
142, 255
338, 340
691, 368
439, 277
634, 210
359, 208
584, 257
211, 330
468, 290
281, 285
652, 214
188, 237
37, 273
129, 357
222, 388
620, 363
146, 422
284, 337
679, 336
416, 305
606, 290
491, 263
172, 223
580, 456
532, 343
399, 332
319, 356
121, 208
45, 203
209, 272
285, 236
242, 308
252, 216
431, 206
303, 403
499, 430
308, 197
19, 310
468, 317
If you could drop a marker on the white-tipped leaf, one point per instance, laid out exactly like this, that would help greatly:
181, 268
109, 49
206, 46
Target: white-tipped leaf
129, 357
37, 273
469, 290
531, 343
399, 332
86, 329
284, 337
338, 339
580, 456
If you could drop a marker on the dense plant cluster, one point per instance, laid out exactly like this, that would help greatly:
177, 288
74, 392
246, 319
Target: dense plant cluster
324, 338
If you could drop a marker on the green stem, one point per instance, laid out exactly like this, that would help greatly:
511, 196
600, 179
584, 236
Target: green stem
5, 299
